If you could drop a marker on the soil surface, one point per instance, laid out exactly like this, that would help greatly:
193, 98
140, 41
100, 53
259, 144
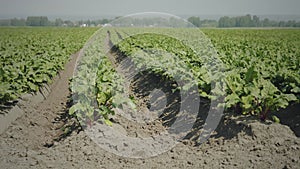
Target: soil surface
46, 137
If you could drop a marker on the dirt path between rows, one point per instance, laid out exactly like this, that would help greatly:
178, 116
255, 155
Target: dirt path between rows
39, 139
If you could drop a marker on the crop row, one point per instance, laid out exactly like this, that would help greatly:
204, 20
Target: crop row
31, 57
97, 87
261, 74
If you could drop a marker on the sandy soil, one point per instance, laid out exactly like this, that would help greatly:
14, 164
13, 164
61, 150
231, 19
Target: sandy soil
46, 137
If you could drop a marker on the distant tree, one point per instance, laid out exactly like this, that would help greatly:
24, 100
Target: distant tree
44, 21
291, 23
5, 22
247, 21
58, 22
37, 21
222, 21
118, 17
68, 23
17, 22
281, 24
104, 21
88, 22
244, 21
227, 22
93, 23
237, 21
80, 22
273, 23
256, 21
209, 23
33, 21
175, 22
195, 21
266, 22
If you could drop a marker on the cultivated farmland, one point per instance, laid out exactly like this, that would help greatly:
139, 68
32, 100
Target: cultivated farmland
253, 76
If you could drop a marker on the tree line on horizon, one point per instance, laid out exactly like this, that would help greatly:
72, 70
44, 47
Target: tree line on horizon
44, 21
254, 21
242, 21
223, 22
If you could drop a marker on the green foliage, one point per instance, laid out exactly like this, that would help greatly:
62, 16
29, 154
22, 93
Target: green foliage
37, 21
275, 119
195, 21
262, 71
110, 89
31, 57
97, 88
182, 64
262, 68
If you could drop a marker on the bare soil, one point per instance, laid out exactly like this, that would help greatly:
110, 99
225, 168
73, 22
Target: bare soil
46, 137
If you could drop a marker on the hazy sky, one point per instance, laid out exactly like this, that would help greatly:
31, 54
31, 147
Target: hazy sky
21, 8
